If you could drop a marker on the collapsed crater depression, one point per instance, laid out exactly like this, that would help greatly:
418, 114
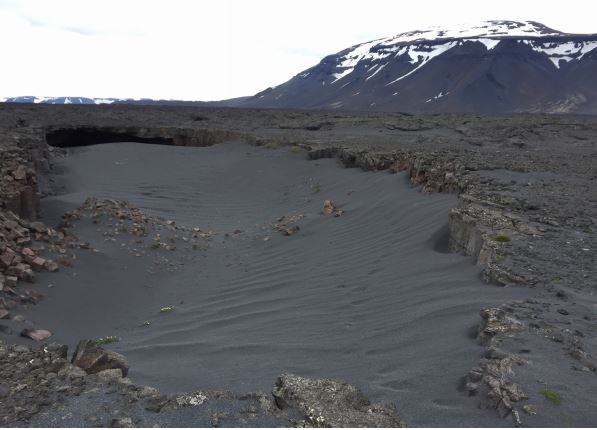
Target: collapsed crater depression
371, 297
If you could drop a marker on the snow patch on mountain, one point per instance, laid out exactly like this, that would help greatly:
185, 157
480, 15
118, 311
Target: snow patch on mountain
488, 29
422, 54
377, 71
566, 51
103, 101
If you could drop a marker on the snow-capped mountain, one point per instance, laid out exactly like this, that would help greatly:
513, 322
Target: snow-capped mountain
58, 100
497, 66
98, 101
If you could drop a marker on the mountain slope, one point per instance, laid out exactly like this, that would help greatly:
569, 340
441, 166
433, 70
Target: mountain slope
498, 66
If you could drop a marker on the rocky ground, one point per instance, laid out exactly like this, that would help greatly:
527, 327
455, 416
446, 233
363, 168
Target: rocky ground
527, 209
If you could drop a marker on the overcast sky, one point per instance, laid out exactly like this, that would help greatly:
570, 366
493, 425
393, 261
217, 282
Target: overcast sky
216, 49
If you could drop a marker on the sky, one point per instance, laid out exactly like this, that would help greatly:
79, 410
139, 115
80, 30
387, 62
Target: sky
217, 49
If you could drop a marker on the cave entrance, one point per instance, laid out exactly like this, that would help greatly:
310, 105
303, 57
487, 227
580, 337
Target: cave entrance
68, 137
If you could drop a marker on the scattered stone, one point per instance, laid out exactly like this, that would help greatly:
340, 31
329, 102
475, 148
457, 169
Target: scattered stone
70, 371
146, 391
495, 321
51, 266
328, 207
289, 231
4, 314
38, 263
563, 312
530, 409
20, 173
38, 227
286, 225
92, 358
36, 334
11, 281
121, 423
109, 375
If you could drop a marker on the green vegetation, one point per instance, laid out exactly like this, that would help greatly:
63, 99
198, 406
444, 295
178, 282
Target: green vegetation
503, 238
296, 149
155, 245
552, 396
165, 309
108, 339
316, 188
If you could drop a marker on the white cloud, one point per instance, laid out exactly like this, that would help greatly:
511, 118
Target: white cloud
206, 50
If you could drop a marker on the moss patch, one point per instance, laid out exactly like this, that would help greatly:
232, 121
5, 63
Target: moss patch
553, 397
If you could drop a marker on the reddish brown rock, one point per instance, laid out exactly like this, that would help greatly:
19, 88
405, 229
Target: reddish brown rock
92, 358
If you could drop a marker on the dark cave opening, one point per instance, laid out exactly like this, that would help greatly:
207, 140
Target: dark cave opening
68, 137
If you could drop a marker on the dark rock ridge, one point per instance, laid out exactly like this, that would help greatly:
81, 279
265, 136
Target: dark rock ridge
498, 66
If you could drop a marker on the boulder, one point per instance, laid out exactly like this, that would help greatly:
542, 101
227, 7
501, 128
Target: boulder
329, 403
92, 358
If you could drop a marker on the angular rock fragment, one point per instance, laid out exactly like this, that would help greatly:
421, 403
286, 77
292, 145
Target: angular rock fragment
11, 281
38, 263
92, 358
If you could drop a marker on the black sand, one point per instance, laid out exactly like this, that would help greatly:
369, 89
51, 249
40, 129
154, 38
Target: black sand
370, 297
